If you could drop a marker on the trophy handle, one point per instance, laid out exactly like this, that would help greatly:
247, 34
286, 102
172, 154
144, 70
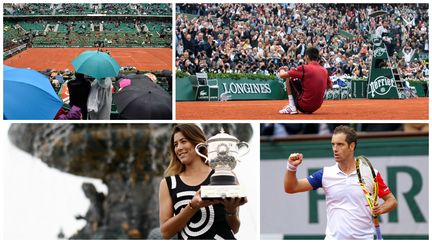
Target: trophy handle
245, 146
197, 148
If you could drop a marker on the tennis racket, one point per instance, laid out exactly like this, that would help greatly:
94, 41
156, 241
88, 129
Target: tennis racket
369, 185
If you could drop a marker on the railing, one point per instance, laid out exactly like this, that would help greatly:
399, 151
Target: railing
15, 50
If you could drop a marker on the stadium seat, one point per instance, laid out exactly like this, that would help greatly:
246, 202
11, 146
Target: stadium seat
201, 80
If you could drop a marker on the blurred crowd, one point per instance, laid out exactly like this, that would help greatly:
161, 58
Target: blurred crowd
87, 8
282, 129
84, 24
260, 38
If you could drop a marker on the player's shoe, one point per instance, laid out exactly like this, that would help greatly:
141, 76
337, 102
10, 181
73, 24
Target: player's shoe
289, 109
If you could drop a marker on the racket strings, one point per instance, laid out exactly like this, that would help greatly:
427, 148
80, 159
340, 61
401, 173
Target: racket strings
367, 182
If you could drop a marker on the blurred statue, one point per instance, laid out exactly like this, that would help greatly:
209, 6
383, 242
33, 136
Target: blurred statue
95, 213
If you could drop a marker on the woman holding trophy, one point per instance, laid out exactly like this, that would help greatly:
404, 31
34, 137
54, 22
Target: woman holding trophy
182, 210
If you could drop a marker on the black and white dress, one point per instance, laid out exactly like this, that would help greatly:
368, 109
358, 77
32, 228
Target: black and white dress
207, 223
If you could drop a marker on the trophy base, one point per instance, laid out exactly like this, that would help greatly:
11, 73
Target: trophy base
218, 191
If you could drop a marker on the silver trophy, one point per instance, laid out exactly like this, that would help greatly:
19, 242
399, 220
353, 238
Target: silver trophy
223, 153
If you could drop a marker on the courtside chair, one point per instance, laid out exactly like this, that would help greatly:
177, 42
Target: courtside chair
196, 85
211, 84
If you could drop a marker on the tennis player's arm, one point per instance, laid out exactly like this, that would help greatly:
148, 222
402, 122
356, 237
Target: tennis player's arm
384, 192
389, 204
297, 72
293, 185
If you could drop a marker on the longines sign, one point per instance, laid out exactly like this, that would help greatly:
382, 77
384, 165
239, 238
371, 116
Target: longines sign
246, 88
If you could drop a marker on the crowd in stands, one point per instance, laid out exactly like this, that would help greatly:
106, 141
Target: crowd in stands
154, 9
119, 26
28, 9
260, 38
113, 32
74, 9
119, 8
18, 9
13, 36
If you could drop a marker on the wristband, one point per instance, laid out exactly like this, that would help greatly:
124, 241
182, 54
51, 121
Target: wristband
291, 167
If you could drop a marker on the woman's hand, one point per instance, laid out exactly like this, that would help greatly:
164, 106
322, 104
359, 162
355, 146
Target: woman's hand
231, 211
231, 204
197, 202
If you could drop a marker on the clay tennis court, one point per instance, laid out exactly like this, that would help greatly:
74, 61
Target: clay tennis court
351, 109
146, 59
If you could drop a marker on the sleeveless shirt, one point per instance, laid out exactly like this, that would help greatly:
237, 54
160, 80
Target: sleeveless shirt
208, 223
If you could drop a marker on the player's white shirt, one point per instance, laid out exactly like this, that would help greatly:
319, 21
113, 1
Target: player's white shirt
348, 215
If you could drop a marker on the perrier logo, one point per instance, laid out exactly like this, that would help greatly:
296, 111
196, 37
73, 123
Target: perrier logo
381, 85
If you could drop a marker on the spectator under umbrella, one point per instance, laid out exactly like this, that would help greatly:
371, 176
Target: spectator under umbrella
143, 100
79, 90
59, 78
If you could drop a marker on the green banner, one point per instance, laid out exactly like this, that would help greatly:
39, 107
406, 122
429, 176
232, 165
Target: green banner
346, 34
230, 89
381, 80
255, 89
421, 88
382, 85
246, 89
358, 88
184, 90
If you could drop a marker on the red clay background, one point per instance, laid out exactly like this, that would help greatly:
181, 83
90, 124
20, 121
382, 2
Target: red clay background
146, 59
352, 109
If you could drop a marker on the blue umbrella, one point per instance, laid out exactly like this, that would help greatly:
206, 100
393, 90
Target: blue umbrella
28, 95
6, 68
96, 64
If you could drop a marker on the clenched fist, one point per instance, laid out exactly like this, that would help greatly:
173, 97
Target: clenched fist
294, 160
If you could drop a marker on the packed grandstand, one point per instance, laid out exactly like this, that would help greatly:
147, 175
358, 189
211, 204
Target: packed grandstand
260, 38
86, 25
134, 38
